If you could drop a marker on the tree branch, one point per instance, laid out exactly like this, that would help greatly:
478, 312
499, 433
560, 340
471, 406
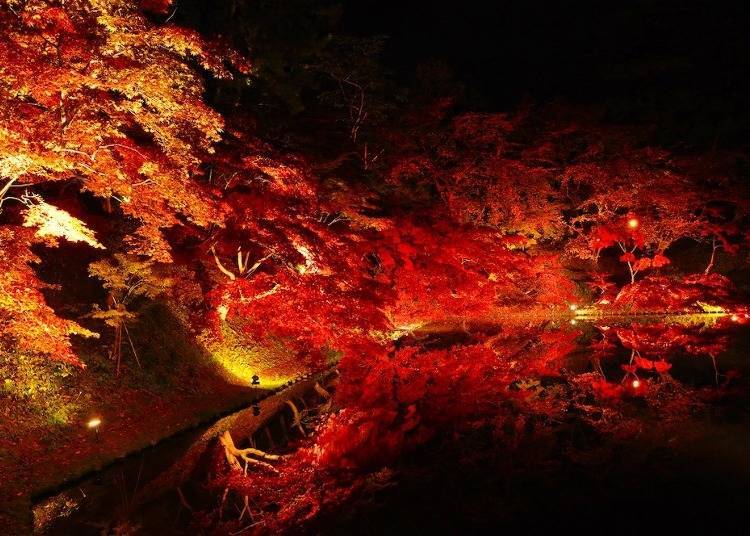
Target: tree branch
226, 272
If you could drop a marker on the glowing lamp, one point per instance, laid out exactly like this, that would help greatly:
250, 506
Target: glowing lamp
633, 223
636, 384
94, 423
735, 318
573, 321
573, 307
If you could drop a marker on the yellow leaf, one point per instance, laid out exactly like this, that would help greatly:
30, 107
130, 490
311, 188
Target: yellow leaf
51, 222
708, 308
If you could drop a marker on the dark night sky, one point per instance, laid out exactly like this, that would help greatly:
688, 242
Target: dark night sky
680, 64
574, 48
683, 64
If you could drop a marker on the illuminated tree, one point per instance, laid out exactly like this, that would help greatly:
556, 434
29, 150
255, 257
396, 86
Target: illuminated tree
288, 267
94, 95
484, 174
642, 201
445, 271
572, 185
126, 279
27, 323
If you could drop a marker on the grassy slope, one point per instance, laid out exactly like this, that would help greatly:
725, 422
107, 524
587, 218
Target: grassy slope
45, 406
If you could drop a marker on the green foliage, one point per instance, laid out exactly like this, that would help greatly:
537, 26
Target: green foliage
34, 388
113, 317
332, 356
128, 277
60, 415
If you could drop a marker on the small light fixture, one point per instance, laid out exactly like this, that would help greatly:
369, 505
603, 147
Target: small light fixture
573, 321
633, 223
93, 424
636, 384
735, 318
573, 307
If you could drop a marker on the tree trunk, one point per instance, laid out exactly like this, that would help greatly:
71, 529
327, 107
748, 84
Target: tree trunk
710, 266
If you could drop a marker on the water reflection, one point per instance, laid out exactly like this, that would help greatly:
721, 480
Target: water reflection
523, 399
638, 351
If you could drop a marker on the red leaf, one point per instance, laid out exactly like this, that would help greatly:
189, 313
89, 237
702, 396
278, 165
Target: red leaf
607, 391
660, 260
156, 6
638, 238
642, 264
645, 364
603, 237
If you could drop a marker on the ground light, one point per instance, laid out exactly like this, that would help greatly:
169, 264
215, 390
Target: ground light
94, 424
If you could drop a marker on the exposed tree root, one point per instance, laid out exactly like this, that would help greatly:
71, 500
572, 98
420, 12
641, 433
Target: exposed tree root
325, 395
241, 424
250, 456
297, 422
322, 391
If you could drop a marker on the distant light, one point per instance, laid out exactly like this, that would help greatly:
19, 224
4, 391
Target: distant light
636, 384
735, 318
573, 307
633, 223
573, 321
94, 423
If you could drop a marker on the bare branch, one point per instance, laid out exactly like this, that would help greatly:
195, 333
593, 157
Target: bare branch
223, 269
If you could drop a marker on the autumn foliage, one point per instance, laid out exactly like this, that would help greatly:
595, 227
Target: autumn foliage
97, 100
441, 284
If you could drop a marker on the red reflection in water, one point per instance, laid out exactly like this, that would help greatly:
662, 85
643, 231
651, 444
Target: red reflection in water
514, 381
